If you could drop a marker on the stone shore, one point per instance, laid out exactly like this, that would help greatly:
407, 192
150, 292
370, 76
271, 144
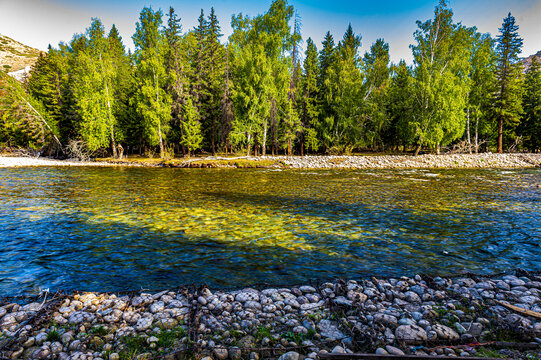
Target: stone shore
418, 315
450, 161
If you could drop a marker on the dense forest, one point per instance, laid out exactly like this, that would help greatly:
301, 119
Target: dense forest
267, 91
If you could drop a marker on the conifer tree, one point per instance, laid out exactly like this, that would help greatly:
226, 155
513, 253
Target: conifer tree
123, 88
310, 105
530, 127
215, 53
509, 79
400, 106
50, 83
480, 109
344, 95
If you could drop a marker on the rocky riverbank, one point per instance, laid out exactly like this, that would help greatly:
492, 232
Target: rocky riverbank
449, 161
467, 316
19, 161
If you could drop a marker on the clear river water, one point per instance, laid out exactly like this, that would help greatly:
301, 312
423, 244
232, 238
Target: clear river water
112, 229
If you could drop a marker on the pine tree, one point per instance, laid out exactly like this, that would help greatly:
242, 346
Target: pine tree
153, 102
479, 112
343, 93
530, 127
310, 105
23, 120
177, 74
191, 127
376, 69
50, 83
215, 53
400, 107
124, 89
509, 78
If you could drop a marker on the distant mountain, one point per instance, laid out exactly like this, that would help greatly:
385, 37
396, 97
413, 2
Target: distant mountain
528, 61
16, 58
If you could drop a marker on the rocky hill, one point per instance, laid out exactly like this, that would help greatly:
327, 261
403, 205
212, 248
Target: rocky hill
16, 58
528, 61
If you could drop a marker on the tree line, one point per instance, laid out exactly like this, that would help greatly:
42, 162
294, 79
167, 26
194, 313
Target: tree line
265, 91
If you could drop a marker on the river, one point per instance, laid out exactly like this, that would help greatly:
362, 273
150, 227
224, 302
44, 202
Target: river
111, 229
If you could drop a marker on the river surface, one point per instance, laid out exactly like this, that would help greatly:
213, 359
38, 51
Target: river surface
111, 229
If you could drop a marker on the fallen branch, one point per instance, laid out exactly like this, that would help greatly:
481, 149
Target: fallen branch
520, 310
398, 357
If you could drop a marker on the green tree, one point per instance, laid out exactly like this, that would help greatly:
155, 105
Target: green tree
377, 72
509, 79
310, 93
215, 53
153, 102
191, 127
262, 77
530, 127
23, 120
480, 109
123, 83
441, 84
50, 83
94, 90
400, 106
343, 93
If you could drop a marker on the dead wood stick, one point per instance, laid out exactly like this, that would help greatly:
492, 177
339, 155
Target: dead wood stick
520, 310
397, 357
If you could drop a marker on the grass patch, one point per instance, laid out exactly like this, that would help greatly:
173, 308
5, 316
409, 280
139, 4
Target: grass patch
489, 353
299, 338
98, 330
167, 339
53, 336
261, 333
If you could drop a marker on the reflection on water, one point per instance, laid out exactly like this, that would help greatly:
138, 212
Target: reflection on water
128, 228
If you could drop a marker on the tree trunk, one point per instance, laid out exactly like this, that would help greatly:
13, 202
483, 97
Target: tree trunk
500, 135
162, 152
289, 147
113, 144
264, 144
477, 134
417, 149
468, 128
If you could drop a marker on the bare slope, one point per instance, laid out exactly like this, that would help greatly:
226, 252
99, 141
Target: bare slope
528, 61
16, 57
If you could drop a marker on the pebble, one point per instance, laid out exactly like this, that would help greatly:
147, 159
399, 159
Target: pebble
394, 311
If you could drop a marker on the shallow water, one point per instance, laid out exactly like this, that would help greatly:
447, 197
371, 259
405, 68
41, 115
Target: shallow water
107, 229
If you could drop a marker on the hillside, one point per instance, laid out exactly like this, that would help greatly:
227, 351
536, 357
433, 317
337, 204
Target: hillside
16, 58
527, 61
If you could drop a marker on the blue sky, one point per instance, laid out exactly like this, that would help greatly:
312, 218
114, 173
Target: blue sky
40, 22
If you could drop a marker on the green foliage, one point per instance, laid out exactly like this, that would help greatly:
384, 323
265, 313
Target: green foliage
191, 127
508, 104
98, 330
94, 90
480, 111
530, 127
376, 113
23, 120
53, 336
309, 99
152, 101
441, 84
188, 91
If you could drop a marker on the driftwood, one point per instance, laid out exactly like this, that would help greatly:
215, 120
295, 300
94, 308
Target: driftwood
520, 310
398, 357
